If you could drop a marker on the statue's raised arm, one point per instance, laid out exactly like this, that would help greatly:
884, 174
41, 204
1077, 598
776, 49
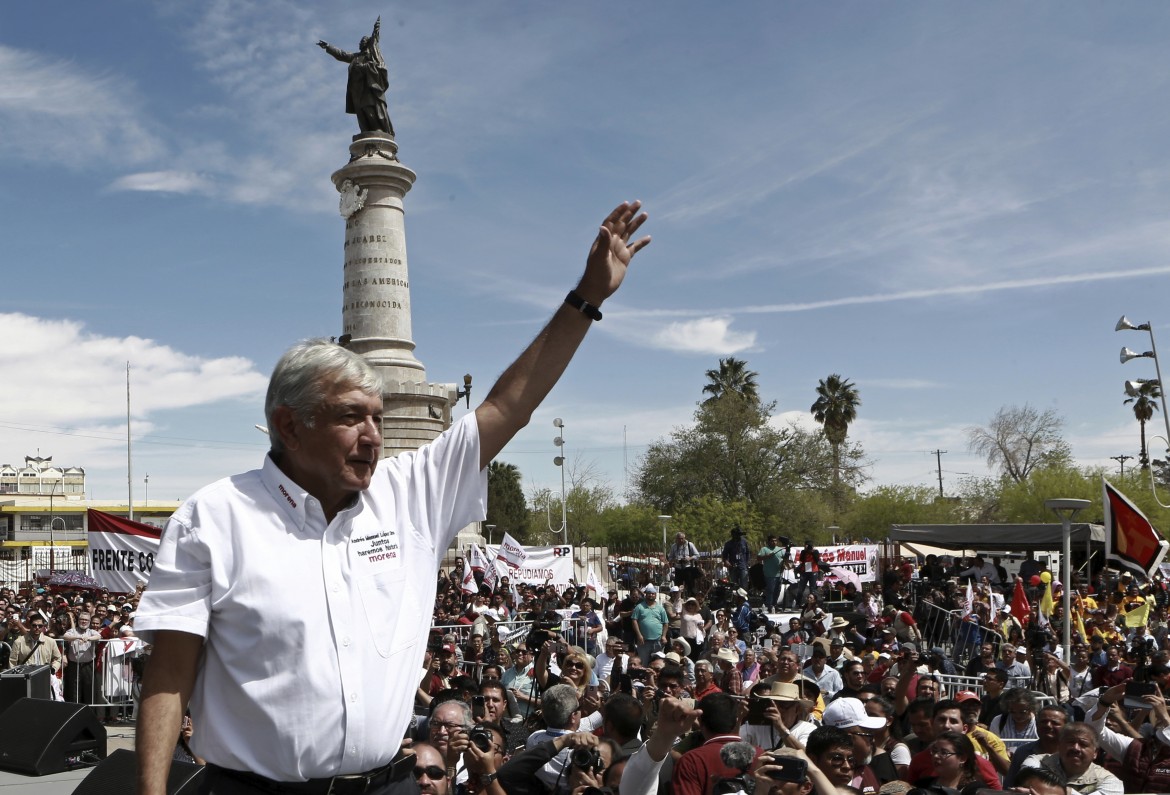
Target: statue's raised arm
365, 95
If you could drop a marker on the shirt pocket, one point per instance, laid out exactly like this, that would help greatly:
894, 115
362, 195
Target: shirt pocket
392, 610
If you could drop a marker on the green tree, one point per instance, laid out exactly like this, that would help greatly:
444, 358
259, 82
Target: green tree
835, 409
1145, 403
732, 378
872, 514
506, 507
1020, 439
732, 452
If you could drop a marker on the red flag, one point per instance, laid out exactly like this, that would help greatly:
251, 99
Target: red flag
1130, 540
1020, 608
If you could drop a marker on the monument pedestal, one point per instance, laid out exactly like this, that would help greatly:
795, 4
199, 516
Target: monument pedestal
375, 314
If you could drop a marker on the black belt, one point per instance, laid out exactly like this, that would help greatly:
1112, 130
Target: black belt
355, 784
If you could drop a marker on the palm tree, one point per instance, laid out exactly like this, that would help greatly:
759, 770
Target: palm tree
835, 408
732, 378
1145, 403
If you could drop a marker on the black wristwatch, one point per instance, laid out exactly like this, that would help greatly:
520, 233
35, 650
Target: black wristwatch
488, 778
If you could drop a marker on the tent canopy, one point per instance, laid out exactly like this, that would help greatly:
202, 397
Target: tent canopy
1006, 537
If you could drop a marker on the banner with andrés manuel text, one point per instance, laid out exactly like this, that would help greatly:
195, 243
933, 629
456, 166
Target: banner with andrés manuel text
121, 551
860, 559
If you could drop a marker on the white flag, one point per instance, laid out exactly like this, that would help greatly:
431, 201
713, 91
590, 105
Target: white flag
592, 582
967, 608
489, 574
477, 559
512, 552
469, 585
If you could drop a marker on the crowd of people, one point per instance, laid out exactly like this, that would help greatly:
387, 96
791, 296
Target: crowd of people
536, 689
85, 636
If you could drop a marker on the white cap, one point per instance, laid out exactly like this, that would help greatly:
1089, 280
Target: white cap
845, 713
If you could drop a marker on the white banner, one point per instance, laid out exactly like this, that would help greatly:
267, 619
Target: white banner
861, 559
541, 564
119, 561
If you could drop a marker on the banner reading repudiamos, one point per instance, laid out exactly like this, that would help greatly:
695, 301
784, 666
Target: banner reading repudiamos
541, 564
121, 552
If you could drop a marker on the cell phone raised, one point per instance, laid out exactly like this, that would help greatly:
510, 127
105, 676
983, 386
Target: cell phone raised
1135, 693
478, 707
791, 768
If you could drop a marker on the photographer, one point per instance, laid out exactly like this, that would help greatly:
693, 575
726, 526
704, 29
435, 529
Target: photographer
789, 772
559, 765
777, 716
486, 754
1145, 762
772, 556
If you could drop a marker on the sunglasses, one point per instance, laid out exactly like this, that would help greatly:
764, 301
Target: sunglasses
572, 664
433, 772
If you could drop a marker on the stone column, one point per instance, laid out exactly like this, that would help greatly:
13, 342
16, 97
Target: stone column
375, 314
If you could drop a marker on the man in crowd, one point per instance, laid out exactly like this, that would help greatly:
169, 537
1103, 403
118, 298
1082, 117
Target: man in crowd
1074, 762
771, 557
365, 580
35, 647
651, 624
1013, 663
698, 768
948, 717
81, 650
827, 679
1050, 720
735, 557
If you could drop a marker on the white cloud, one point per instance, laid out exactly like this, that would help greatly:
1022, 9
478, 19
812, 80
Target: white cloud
164, 182
66, 396
56, 110
703, 335
83, 375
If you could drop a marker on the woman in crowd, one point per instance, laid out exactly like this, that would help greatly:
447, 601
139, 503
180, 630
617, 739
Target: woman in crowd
691, 627
1018, 718
954, 762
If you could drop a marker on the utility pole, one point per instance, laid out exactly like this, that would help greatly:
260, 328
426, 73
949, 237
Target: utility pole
938, 454
1121, 459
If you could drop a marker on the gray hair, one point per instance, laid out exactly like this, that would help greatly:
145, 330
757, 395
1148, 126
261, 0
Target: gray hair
305, 373
558, 704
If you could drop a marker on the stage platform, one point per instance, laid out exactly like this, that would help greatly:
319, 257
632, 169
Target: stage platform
63, 783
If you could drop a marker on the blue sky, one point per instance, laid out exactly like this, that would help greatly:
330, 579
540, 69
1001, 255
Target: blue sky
948, 203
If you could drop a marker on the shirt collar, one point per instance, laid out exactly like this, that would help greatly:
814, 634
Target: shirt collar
292, 498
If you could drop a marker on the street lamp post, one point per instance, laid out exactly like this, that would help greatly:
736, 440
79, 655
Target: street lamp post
1066, 509
559, 441
665, 519
1132, 387
490, 528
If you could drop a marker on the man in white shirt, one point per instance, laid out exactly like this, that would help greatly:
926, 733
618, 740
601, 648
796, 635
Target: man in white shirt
81, 649
308, 689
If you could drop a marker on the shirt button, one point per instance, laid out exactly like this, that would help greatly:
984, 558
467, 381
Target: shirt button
353, 749
353, 697
336, 588
345, 641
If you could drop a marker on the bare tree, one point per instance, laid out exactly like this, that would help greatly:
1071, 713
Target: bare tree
1020, 439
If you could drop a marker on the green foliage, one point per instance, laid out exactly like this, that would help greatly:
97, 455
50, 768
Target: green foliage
506, 507
871, 515
732, 378
707, 521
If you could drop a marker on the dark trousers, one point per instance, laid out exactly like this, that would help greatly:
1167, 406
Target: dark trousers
81, 686
218, 781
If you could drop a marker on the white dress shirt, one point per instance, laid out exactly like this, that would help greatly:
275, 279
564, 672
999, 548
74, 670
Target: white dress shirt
312, 630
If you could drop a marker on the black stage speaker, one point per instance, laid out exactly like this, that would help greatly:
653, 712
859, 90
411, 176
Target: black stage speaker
24, 681
39, 737
118, 774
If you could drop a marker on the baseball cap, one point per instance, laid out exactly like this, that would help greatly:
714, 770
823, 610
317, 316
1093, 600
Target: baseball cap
966, 695
845, 713
650, 589
449, 647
